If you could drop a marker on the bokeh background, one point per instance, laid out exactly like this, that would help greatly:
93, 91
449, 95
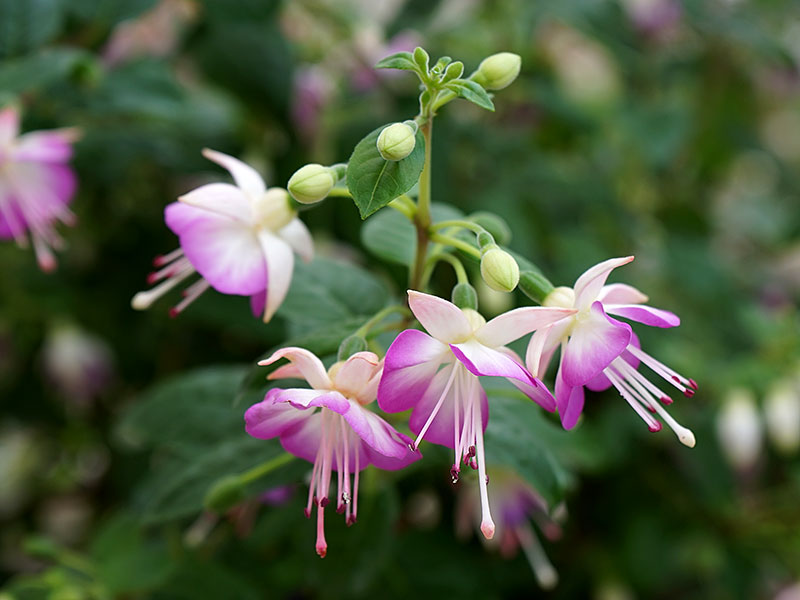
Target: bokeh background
660, 128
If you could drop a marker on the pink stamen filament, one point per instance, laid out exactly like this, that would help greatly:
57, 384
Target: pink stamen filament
677, 380
143, 300
652, 424
163, 259
487, 524
192, 293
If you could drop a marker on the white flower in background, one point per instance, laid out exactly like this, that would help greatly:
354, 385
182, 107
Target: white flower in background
739, 429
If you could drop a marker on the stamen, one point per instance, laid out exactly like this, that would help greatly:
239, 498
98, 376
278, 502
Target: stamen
192, 293
171, 269
542, 568
651, 423
454, 471
487, 524
143, 300
438, 406
355, 489
322, 545
163, 259
679, 381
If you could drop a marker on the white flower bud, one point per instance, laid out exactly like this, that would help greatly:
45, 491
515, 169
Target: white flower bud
739, 429
782, 415
396, 141
498, 70
311, 183
499, 270
273, 210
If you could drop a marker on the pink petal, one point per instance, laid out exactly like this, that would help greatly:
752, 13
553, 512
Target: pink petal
309, 365
569, 401
376, 433
222, 198
410, 364
9, 124
303, 440
481, 360
296, 234
601, 382
54, 146
588, 285
280, 266
245, 176
648, 315
595, 341
621, 293
224, 251
257, 303
441, 429
515, 323
268, 418
440, 318
537, 391
287, 371
355, 374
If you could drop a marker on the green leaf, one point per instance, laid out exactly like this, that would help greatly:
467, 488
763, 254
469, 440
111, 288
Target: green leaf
472, 91
390, 236
373, 181
402, 60
517, 437
325, 292
28, 24
39, 70
198, 437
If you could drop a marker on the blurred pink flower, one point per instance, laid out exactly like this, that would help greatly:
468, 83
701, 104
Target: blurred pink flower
239, 238
313, 88
36, 185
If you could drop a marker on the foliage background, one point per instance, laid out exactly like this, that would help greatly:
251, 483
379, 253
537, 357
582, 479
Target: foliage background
660, 128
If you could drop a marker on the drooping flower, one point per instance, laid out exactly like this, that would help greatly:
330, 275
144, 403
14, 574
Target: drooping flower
36, 185
239, 238
515, 503
330, 426
598, 351
450, 406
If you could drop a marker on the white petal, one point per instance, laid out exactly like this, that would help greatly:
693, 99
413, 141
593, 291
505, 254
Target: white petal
621, 293
221, 198
307, 364
588, 285
440, 318
280, 265
245, 176
513, 324
298, 237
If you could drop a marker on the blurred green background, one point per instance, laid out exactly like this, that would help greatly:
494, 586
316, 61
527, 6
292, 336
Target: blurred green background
660, 128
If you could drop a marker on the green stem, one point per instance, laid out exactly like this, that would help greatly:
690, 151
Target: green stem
404, 205
380, 316
456, 243
474, 227
422, 219
340, 192
264, 468
430, 264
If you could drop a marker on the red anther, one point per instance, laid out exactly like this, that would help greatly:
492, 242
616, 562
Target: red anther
322, 551
666, 400
655, 427
340, 509
487, 479
152, 278
158, 260
307, 513
351, 520
173, 312
688, 392
454, 471
473, 464
650, 407
314, 500
324, 502
471, 451
676, 378
693, 383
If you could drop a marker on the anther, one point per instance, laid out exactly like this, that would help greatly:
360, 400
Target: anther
666, 400
454, 471
324, 502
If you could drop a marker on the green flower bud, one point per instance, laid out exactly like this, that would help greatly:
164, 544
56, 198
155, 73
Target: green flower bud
499, 269
465, 296
535, 286
350, 345
486, 241
226, 493
498, 70
494, 225
311, 183
396, 141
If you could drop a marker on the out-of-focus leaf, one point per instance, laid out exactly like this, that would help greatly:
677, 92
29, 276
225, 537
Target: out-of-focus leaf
514, 438
375, 181
402, 60
390, 236
204, 579
239, 10
108, 12
326, 291
27, 24
38, 70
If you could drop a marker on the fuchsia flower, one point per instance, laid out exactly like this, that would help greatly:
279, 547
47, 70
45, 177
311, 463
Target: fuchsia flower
515, 503
598, 351
36, 185
239, 238
450, 406
342, 436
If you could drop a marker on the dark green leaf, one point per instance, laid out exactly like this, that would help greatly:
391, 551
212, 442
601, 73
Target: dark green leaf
472, 91
27, 24
402, 60
390, 236
373, 181
39, 70
108, 12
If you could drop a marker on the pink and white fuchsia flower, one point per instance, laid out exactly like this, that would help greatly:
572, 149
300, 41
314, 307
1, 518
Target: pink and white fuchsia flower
598, 351
36, 185
342, 436
239, 238
450, 406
